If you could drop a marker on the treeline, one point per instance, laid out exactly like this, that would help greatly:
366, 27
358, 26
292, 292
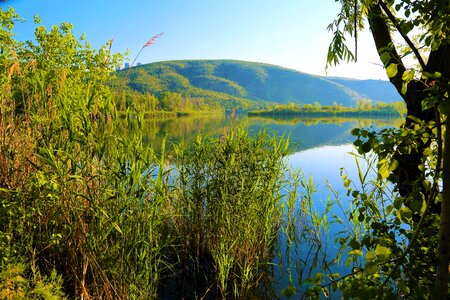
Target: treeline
166, 102
363, 108
250, 82
171, 92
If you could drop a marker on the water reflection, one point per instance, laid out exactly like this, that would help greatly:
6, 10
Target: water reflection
320, 148
305, 133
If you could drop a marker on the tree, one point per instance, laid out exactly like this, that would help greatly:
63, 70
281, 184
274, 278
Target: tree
171, 101
422, 29
363, 104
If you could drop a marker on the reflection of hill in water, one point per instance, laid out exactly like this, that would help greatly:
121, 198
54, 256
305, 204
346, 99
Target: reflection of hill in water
305, 133
304, 137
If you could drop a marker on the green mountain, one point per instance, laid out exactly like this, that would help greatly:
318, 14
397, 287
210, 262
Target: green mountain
375, 90
250, 85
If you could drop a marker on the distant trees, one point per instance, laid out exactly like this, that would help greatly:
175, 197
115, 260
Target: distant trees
365, 109
171, 101
167, 101
364, 104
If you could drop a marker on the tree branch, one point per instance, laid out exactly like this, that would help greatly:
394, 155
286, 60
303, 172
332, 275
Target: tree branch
393, 19
383, 40
431, 198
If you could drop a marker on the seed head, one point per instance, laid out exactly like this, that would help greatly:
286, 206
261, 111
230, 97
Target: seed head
152, 39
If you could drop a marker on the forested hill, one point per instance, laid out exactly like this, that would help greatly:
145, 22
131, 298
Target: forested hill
376, 90
248, 84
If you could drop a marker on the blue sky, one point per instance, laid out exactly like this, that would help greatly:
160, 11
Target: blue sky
289, 33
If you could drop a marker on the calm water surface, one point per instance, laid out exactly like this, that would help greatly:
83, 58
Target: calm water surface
320, 148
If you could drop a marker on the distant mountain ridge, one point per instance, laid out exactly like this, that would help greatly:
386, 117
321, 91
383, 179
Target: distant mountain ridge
249, 83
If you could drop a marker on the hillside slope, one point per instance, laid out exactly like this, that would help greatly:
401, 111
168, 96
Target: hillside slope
248, 84
376, 90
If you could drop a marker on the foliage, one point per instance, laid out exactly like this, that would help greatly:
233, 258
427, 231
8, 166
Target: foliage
230, 84
227, 203
14, 284
415, 157
85, 203
363, 109
73, 192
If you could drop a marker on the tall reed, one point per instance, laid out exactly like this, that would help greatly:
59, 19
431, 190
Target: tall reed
227, 206
86, 201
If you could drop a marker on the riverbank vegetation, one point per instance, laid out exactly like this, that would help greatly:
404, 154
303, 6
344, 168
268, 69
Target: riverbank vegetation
404, 248
90, 212
362, 109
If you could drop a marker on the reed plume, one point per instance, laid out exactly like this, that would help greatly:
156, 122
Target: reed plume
151, 41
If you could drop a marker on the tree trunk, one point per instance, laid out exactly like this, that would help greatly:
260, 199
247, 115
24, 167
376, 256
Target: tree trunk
409, 176
444, 226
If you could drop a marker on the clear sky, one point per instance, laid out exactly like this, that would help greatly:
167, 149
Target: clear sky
289, 33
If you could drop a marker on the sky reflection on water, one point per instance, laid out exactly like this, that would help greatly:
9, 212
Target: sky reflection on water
320, 148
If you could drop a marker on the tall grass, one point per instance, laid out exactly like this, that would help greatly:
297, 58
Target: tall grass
75, 196
227, 205
88, 201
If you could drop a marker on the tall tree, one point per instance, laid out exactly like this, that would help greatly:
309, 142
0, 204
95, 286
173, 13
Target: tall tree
404, 29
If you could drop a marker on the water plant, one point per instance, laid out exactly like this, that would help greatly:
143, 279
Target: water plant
228, 206
87, 204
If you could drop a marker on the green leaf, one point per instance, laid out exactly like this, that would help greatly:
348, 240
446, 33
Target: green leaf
354, 244
428, 103
444, 107
289, 291
415, 119
407, 13
356, 252
427, 185
370, 255
366, 147
317, 279
347, 183
405, 214
394, 165
116, 226
408, 75
371, 268
385, 57
383, 168
325, 292
389, 209
404, 88
382, 251
355, 131
391, 70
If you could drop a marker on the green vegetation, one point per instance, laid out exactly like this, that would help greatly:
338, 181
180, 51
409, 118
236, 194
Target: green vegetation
399, 243
226, 207
87, 209
363, 109
208, 85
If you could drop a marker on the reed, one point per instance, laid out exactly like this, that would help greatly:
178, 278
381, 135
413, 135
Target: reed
227, 205
84, 200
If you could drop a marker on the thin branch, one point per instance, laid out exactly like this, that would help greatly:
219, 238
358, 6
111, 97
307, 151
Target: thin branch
352, 274
411, 243
432, 197
383, 40
393, 19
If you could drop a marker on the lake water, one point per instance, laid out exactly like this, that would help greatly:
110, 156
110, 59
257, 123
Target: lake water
319, 148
